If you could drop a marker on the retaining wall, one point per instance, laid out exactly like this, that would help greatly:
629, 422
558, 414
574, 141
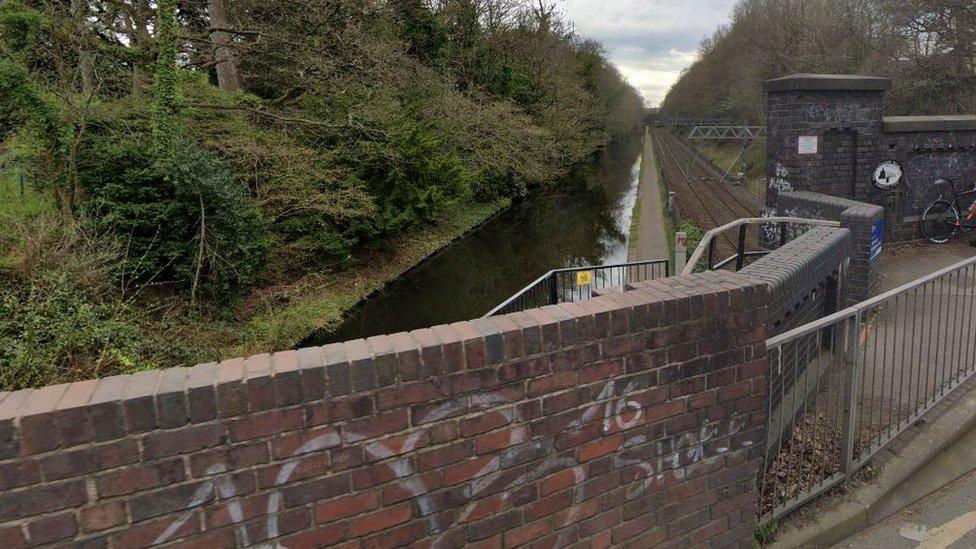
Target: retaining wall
631, 419
929, 149
807, 280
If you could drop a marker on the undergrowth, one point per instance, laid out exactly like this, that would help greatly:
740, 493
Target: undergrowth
67, 312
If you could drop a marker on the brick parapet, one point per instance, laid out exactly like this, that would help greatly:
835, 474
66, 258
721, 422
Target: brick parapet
797, 270
860, 218
805, 279
629, 419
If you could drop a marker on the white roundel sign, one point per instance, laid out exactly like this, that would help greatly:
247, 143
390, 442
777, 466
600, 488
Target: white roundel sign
888, 175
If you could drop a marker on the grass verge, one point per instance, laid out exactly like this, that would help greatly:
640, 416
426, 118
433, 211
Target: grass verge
635, 226
18, 201
722, 154
66, 316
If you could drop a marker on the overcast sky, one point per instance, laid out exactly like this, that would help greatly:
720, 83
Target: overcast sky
649, 40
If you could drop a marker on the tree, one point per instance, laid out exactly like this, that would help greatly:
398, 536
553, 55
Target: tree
228, 75
927, 46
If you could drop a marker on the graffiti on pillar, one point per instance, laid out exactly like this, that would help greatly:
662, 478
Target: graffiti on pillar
804, 212
818, 113
823, 113
779, 181
770, 231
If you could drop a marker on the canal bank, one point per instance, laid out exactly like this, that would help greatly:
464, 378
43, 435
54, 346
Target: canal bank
580, 220
283, 315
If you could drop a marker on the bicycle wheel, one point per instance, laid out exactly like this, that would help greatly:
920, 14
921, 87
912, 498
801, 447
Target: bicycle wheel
939, 222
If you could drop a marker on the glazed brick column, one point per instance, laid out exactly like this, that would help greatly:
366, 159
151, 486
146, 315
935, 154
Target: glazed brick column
860, 218
633, 419
845, 114
796, 274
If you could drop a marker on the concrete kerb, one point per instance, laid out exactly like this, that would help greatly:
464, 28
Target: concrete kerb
888, 493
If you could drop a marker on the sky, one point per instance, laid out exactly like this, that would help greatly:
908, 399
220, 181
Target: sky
650, 41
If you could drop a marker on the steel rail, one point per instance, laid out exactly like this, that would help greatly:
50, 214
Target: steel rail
710, 235
675, 164
731, 199
862, 306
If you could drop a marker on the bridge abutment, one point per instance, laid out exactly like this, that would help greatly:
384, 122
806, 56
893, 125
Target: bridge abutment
828, 134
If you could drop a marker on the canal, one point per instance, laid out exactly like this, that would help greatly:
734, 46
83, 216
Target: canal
581, 220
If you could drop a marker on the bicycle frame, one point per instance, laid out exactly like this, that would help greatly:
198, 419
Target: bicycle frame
966, 214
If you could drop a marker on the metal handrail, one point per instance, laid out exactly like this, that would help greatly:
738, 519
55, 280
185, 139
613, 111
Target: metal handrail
520, 293
707, 239
550, 280
864, 305
843, 387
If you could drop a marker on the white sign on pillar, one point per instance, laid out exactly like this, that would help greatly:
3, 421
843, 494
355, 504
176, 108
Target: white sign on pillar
808, 144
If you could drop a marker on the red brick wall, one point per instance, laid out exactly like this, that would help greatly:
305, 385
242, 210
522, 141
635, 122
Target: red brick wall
596, 424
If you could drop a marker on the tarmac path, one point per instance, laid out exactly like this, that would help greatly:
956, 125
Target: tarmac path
946, 518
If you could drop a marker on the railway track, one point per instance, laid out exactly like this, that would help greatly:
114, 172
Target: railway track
701, 195
733, 194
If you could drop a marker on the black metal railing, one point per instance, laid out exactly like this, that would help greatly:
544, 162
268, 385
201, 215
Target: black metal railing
579, 283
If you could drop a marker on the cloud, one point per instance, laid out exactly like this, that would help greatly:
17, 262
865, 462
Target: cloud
650, 41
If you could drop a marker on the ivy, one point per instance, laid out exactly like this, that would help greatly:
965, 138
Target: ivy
166, 98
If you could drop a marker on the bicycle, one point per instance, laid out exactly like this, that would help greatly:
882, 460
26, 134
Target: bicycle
941, 219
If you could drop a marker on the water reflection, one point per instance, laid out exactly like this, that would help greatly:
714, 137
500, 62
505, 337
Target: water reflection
582, 220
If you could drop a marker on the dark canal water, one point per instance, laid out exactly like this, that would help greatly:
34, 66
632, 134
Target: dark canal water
582, 220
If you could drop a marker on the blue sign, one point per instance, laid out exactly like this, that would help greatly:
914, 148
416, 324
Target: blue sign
877, 238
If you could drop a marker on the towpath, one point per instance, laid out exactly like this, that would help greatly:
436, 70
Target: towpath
648, 238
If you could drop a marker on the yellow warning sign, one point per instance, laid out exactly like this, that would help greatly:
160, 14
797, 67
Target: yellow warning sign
584, 278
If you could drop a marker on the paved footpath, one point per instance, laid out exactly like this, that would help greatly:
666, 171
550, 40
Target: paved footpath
946, 518
650, 241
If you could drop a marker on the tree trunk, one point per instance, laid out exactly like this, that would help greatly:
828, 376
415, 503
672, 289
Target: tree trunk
228, 76
140, 14
86, 61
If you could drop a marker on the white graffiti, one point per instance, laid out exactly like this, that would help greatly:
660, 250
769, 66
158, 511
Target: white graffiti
838, 113
818, 113
770, 231
225, 489
779, 181
657, 461
692, 444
